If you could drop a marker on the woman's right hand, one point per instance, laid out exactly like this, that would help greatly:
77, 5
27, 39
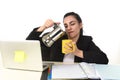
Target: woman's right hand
48, 23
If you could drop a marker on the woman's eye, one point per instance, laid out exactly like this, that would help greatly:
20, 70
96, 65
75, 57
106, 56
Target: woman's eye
72, 24
65, 26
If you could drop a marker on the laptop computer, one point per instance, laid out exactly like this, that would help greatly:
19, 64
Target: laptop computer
23, 55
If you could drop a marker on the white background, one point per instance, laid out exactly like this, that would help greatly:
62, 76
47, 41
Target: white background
101, 20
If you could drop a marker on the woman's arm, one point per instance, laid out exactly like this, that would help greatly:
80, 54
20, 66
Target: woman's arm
89, 52
95, 55
34, 35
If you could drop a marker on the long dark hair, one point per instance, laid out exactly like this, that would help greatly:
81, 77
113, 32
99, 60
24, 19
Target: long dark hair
78, 18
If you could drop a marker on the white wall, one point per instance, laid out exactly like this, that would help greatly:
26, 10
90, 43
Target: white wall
100, 20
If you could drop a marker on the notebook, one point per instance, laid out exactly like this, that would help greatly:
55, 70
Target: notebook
22, 55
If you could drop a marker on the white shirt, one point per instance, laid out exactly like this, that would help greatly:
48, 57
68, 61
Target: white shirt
68, 58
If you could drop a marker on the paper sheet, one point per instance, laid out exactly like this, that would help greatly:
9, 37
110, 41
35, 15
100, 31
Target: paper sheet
67, 71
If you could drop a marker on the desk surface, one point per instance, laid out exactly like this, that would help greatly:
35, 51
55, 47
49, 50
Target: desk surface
9, 74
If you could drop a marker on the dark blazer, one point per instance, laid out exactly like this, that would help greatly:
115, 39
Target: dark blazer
92, 53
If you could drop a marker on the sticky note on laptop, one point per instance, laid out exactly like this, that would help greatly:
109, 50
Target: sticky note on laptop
19, 56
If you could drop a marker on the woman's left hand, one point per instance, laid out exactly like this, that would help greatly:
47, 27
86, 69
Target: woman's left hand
71, 47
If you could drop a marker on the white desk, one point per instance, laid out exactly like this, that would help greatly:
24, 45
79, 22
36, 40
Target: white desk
106, 71
8, 74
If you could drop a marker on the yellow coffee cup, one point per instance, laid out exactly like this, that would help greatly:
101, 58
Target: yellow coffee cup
67, 41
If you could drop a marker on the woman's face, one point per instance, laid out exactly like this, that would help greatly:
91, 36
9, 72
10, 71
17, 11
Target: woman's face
72, 27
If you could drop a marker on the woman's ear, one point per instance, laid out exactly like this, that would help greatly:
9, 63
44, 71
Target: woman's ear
81, 25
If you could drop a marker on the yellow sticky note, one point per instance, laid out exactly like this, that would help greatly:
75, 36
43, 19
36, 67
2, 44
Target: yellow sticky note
20, 56
64, 43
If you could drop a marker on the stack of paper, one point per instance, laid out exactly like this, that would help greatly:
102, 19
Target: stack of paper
73, 71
